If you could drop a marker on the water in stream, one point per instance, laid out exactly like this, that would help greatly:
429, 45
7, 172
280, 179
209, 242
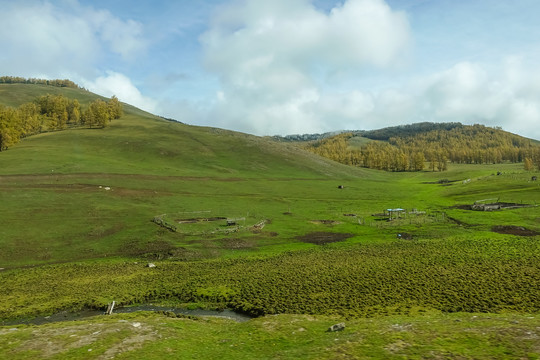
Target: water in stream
84, 314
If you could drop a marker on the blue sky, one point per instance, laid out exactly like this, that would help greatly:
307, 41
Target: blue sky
290, 66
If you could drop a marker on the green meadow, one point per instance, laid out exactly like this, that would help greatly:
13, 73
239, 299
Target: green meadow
242, 222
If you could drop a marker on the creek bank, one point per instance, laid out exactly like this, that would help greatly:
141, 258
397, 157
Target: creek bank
88, 313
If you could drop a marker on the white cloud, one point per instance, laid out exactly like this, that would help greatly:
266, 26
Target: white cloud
60, 39
122, 37
67, 40
505, 94
121, 86
272, 59
39, 39
286, 67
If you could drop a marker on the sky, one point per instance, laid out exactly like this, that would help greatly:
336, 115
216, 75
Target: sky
290, 66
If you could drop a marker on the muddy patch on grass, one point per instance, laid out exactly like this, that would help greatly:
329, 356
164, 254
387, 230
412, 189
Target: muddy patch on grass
491, 206
158, 250
322, 238
514, 230
326, 222
101, 232
197, 220
236, 244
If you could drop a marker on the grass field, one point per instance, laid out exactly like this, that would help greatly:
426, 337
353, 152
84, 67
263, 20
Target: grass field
152, 336
76, 231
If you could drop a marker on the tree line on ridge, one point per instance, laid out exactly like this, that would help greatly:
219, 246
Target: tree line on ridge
21, 80
476, 144
52, 113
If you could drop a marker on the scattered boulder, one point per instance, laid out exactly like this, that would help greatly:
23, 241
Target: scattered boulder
336, 327
151, 265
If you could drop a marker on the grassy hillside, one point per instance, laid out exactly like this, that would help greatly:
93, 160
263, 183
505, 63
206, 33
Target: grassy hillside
17, 94
55, 182
76, 231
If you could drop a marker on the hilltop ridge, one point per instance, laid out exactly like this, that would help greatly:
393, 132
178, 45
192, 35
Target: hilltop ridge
408, 147
201, 149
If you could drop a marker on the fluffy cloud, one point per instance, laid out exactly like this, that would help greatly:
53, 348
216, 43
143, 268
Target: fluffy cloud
122, 37
505, 94
67, 39
290, 68
38, 39
274, 60
121, 86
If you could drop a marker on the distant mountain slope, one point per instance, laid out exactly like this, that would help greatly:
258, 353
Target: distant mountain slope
405, 148
378, 134
409, 130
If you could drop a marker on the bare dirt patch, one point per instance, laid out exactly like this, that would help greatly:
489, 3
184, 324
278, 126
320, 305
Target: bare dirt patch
153, 250
57, 176
514, 230
491, 206
326, 222
197, 220
101, 232
236, 244
322, 238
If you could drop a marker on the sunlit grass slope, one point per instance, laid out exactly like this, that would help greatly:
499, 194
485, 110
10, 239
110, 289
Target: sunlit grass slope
54, 206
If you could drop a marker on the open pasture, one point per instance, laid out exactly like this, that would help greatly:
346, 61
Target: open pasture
260, 227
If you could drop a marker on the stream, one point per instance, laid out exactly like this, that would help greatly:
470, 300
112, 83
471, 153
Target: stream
85, 314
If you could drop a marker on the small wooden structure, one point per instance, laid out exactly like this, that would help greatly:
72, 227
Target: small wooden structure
110, 308
391, 214
395, 213
234, 221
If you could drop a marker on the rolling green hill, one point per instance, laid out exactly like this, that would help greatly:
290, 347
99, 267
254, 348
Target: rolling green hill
153, 167
83, 211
